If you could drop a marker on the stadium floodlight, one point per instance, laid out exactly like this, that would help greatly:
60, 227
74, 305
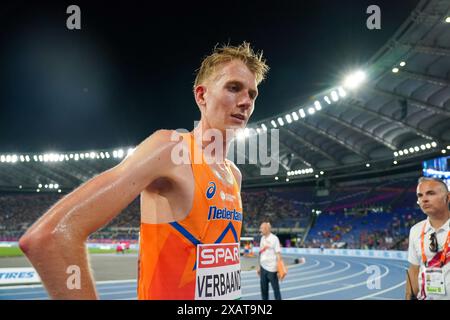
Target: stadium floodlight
402, 64
368, 165
258, 130
46, 186
321, 172
71, 156
444, 151
400, 152
405, 151
302, 113
82, 156
334, 96
120, 153
20, 187
411, 150
86, 155
59, 190
41, 158
327, 100
428, 146
317, 105
8, 158
422, 147
27, 158
416, 149
50, 186
263, 126
276, 178
40, 185
107, 155
317, 176
22, 158
287, 179
288, 118
92, 155
448, 147
66, 157
288, 173
311, 110
395, 154
434, 144
342, 92
395, 162
447, 20
273, 123
37, 190
14, 158
56, 186
61, 158
395, 70
354, 79
280, 121
295, 116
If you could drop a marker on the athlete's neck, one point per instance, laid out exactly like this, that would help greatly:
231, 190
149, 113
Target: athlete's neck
214, 141
438, 220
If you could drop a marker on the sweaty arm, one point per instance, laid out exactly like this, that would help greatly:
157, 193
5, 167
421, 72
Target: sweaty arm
55, 244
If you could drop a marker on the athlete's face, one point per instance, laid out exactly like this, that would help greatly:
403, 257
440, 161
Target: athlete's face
432, 198
227, 98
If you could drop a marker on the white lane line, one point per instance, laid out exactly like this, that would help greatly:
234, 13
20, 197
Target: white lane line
299, 278
340, 289
35, 286
318, 283
383, 291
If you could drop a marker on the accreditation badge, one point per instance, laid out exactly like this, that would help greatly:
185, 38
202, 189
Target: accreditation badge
218, 275
434, 281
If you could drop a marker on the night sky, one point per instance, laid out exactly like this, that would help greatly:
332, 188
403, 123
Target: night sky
129, 71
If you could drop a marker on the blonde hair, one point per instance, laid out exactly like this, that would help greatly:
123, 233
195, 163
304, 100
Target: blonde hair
253, 60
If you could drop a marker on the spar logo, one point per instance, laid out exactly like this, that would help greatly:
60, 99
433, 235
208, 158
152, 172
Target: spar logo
211, 191
218, 256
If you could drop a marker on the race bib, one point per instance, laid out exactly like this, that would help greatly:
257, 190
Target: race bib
218, 272
434, 281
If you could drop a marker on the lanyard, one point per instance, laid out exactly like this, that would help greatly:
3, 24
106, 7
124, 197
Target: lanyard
444, 251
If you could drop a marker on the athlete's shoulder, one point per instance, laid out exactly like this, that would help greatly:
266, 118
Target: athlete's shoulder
160, 141
155, 151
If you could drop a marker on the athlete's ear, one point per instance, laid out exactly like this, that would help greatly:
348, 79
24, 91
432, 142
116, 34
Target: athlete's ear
200, 96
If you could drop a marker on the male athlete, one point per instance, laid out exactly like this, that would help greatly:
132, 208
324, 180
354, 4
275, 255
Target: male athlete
191, 211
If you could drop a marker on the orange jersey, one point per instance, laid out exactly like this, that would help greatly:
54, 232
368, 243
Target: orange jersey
168, 251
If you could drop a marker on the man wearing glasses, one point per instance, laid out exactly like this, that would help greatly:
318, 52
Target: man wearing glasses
428, 253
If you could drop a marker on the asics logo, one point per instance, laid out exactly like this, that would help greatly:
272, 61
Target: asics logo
211, 191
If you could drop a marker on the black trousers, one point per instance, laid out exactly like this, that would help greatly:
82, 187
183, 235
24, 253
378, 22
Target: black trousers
265, 278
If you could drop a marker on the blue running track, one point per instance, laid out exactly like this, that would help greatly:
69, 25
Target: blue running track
321, 277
